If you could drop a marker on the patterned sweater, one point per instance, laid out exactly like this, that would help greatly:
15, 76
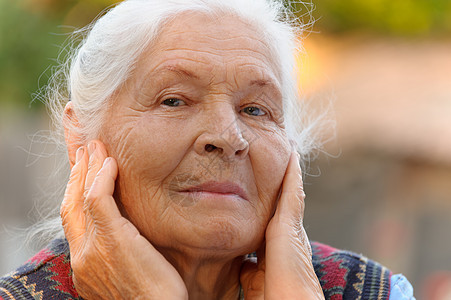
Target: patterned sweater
342, 274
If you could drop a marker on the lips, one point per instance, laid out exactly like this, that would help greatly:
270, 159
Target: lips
226, 188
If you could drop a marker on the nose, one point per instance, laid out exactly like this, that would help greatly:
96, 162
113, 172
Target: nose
223, 137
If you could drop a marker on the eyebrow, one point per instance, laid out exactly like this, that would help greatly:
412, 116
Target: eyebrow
180, 71
261, 82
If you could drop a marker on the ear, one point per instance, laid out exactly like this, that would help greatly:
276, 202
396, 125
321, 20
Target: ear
72, 137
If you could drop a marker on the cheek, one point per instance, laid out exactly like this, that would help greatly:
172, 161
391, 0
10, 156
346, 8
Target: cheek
270, 156
149, 149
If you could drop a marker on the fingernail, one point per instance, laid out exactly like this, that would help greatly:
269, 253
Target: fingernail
106, 162
91, 148
79, 154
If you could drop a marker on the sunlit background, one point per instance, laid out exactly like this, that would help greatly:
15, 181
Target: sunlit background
382, 187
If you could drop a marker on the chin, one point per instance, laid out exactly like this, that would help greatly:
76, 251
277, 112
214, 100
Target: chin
220, 236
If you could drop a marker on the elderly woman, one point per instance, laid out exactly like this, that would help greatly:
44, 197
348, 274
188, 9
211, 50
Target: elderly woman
182, 139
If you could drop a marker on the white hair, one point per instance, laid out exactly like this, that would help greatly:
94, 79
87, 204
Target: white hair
111, 46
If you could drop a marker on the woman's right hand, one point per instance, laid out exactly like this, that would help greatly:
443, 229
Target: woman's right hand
110, 259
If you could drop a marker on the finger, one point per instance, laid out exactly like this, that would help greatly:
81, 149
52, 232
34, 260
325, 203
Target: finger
97, 154
291, 202
71, 211
99, 201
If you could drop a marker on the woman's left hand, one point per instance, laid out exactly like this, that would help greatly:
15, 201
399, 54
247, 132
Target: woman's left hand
284, 269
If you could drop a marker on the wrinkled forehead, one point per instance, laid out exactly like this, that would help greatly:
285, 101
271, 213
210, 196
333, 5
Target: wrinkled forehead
212, 42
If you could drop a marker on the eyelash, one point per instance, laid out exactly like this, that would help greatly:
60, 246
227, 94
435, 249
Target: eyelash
169, 99
263, 111
170, 102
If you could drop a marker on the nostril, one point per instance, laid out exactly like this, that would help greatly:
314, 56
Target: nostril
210, 147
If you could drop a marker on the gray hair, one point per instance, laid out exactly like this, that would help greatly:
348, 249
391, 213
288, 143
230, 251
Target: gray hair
111, 46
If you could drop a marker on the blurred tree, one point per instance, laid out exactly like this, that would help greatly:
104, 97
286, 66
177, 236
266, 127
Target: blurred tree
30, 39
387, 17
26, 44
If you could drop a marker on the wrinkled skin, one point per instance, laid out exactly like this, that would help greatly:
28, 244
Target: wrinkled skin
203, 104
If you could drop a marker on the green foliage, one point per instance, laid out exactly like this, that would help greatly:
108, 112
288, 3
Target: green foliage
31, 37
389, 17
27, 44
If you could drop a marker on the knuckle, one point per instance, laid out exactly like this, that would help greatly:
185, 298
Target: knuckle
86, 192
302, 200
96, 185
301, 192
124, 225
91, 199
94, 165
94, 192
74, 176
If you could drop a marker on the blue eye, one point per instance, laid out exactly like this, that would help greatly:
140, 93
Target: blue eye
254, 111
173, 102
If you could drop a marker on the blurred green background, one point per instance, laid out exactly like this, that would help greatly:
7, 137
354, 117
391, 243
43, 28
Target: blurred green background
410, 18
32, 33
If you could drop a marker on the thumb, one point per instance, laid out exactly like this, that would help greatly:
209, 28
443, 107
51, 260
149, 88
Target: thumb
291, 202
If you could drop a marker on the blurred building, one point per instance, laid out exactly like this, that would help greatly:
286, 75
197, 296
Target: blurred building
385, 188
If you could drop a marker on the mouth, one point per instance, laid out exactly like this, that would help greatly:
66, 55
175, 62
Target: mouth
217, 189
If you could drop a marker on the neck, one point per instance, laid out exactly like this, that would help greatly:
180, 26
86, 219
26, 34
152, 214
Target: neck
207, 277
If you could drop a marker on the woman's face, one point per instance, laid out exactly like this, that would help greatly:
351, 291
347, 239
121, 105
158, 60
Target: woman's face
198, 135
